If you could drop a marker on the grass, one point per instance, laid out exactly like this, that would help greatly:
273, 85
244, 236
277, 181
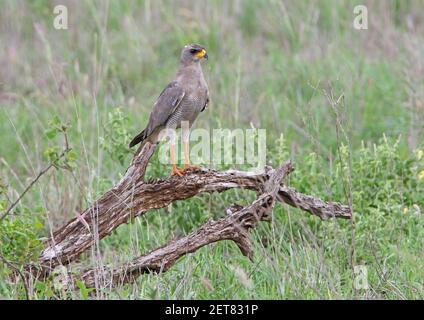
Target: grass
346, 105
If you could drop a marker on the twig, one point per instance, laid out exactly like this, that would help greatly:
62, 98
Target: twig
15, 269
34, 181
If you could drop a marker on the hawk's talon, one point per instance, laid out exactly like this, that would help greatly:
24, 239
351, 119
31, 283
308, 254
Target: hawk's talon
188, 167
177, 172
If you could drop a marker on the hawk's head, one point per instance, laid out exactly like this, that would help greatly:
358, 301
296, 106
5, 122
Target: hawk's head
193, 53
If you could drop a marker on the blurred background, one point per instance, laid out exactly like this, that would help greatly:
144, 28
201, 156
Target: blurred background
346, 105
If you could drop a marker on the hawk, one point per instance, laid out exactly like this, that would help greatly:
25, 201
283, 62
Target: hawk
181, 101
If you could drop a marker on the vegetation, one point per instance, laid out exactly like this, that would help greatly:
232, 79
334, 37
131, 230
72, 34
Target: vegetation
346, 105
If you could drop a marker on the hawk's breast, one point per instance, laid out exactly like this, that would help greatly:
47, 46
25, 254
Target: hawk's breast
188, 110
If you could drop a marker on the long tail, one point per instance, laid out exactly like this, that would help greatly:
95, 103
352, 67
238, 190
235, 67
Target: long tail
138, 138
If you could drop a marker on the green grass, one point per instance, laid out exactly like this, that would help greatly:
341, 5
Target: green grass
274, 65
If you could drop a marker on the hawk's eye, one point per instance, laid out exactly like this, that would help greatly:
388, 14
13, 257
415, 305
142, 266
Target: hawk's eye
193, 51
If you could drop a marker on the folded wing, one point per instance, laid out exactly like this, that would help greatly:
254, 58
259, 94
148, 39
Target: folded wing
164, 107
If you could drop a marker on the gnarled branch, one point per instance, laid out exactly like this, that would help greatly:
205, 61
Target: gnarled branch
132, 197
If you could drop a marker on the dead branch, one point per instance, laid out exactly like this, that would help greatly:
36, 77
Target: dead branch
233, 227
132, 197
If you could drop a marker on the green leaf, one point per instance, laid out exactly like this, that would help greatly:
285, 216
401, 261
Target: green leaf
55, 121
83, 289
51, 133
71, 156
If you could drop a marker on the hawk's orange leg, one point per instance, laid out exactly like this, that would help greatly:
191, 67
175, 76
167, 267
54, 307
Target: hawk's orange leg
175, 170
187, 165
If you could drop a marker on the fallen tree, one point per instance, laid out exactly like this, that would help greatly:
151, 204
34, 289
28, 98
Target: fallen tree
132, 197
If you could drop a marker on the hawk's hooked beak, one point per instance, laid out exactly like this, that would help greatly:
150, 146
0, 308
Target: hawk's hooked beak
202, 54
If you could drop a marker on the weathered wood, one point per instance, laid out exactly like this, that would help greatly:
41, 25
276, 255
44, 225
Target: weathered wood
132, 197
233, 227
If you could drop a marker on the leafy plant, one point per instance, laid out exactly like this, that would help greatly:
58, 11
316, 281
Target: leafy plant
116, 136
